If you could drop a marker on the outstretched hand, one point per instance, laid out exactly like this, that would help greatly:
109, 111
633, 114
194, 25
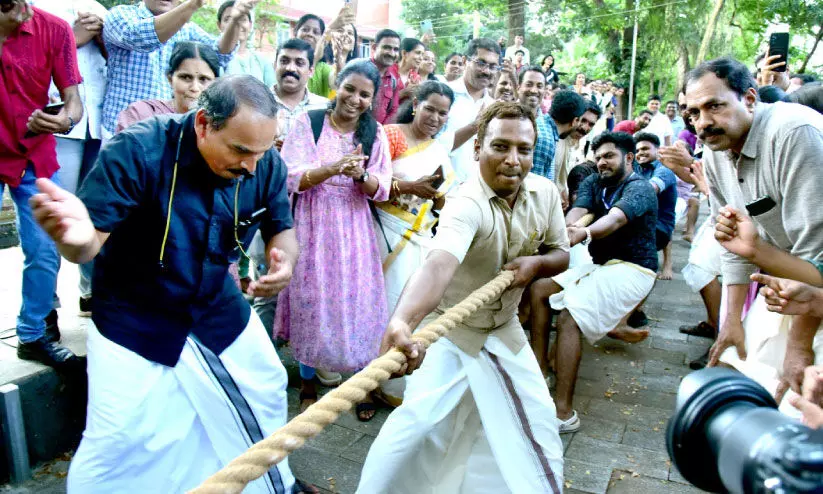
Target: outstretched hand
790, 297
276, 279
62, 215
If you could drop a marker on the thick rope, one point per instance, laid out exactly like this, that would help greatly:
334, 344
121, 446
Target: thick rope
258, 459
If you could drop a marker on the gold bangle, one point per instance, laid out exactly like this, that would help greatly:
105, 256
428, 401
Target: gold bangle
308, 178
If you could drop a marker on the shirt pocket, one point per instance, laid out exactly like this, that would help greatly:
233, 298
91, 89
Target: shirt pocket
771, 223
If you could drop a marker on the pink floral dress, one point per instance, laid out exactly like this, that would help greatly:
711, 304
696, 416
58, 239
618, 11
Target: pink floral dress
334, 310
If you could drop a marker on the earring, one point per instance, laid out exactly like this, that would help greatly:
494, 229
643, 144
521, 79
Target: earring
414, 111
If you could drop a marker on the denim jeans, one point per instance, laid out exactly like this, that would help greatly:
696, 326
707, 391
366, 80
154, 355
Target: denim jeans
40, 265
76, 157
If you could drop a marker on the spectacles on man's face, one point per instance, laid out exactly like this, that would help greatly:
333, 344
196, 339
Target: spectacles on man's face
482, 65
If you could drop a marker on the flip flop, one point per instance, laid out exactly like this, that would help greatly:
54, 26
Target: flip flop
703, 330
365, 407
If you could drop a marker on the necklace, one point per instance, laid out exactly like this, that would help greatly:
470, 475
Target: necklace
334, 124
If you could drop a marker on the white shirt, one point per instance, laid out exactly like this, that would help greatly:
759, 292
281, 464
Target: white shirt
90, 61
463, 112
510, 52
661, 126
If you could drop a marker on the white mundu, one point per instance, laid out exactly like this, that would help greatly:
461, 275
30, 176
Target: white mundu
477, 416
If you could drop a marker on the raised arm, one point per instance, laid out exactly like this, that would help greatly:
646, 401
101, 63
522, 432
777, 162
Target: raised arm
124, 29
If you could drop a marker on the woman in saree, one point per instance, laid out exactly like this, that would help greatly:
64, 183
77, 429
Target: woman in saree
422, 175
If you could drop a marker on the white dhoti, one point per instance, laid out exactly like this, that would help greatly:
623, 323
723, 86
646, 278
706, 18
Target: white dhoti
471, 425
767, 335
599, 296
152, 428
704, 258
681, 207
579, 255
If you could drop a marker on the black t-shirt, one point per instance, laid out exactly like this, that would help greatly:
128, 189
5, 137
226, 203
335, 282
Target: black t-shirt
633, 242
151, 308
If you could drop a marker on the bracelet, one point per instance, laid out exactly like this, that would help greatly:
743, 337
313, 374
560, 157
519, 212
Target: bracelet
308, 178
395, 186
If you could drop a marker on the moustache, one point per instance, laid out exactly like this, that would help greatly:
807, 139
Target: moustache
711, 131
241, 172
292, 74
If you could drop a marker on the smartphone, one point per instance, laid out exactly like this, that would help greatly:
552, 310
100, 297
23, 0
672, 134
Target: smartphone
426, 26
760, 206
439, 172
779, 45
54, 108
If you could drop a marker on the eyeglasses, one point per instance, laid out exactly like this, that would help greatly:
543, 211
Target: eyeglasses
493, 67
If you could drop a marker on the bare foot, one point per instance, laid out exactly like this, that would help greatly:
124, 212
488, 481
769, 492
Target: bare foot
666, 274
688, 236
629, 335
305, 403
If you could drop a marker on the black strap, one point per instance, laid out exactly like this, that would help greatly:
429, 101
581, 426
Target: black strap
316, 118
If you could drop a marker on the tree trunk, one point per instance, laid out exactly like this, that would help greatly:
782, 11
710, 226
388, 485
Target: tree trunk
683, 65
811, 52
516, 18
709, 32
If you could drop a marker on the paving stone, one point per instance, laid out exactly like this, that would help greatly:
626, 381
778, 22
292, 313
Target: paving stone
648, 390
585, 477
614, 455
324, 469
659, 367
651, 436
598, 428
335, 439
628, 483
358, 450
631, 414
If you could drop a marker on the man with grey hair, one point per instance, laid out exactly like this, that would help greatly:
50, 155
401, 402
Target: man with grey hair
170, 204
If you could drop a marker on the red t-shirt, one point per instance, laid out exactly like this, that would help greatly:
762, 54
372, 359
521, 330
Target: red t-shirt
42, 49
629, 126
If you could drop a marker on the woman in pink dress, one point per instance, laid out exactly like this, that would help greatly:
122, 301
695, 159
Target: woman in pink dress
334, 310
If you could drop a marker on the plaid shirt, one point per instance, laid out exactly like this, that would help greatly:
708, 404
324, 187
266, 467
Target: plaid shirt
287, 117
138, 61
547, 137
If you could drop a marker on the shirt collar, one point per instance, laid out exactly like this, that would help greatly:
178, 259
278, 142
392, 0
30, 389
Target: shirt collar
755, 131
303, 100
28, 26
459, 86
143, 12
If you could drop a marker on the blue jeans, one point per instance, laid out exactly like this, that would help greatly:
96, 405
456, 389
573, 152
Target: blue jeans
76, 157
40, 265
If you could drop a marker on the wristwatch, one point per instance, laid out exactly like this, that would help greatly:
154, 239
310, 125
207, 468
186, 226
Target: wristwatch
588, 238
72, 123
363, 177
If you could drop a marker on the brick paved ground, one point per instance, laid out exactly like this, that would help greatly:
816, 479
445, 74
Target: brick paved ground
625, 395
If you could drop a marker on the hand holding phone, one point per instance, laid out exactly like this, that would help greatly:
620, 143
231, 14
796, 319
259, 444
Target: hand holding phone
779, 46
46, 121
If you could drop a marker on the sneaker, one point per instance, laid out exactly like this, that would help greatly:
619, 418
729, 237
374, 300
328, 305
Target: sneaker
52, 330
328, 378
571, 424
85, 307
638, 319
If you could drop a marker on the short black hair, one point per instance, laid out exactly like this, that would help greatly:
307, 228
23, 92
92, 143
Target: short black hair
385, 33
223, 98
410, 44
810, 95
577, 175
297, 44
306, 18
621, 140
646, 137
593, 107
737, 76
225, 5
805, 78
566, 106
484, 44
653, 97
530, 68
520, 51
504, 110
771, 94
645, 111
452, 55
185, 50
671, 102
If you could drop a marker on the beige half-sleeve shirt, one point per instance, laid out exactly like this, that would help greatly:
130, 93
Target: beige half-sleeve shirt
484, 233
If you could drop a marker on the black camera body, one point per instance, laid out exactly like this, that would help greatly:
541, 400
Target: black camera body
726, 435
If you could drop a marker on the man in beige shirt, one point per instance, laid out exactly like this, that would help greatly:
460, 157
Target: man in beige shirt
478, 416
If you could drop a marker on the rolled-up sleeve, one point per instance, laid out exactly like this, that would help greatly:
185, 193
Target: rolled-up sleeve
459, 222
125, 29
